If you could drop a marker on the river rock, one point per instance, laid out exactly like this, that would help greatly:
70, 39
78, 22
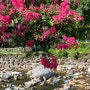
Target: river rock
55, 80
8, 89
6, 76
30, 83
41, 71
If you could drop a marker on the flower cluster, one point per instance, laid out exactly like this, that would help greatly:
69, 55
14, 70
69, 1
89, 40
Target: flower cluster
52, 63
69, 43
62, 46
29, 16
5, 19
2, 6
48, 32
64, 11
30, 43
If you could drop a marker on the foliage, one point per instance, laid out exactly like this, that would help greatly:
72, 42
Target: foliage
81, 51
59, 53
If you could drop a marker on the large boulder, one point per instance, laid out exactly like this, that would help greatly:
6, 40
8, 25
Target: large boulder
41, 71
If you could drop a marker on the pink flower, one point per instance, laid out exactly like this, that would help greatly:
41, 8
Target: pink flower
49, 64
51, 7
45, 34
77, 2
58, 18
45, 62
31, 16
3, 38
71, 41
80, 18
22, 34
8, 35
42, 7
53, 31
54, 61
2, 6
65, 38
56, 1
30, 43
3, 28
35, 15
5, 19
62, 46
36, 8
11, 11
28, 16
18, 3
19, 27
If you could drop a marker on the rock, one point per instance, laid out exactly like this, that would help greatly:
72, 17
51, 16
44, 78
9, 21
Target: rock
66, 81
81, 77
29, 73
59, 89
7, 76
59, 68
75, 75
71, 83
2, 80
15, 77
40, 72
80, 86
66, 86
54, 80
88, 70
16, 73
80, 66
30, 83
8, 89
49, 80
87, 87
13, 87
82, 82
68, 67
42, 83
21, 88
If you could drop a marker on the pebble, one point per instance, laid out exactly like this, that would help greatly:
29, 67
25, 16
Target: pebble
30, 83
87, 87
88, 70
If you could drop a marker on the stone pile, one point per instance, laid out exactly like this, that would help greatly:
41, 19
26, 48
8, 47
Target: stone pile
13, 62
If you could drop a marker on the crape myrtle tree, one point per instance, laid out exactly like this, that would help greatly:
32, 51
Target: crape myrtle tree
43, 23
